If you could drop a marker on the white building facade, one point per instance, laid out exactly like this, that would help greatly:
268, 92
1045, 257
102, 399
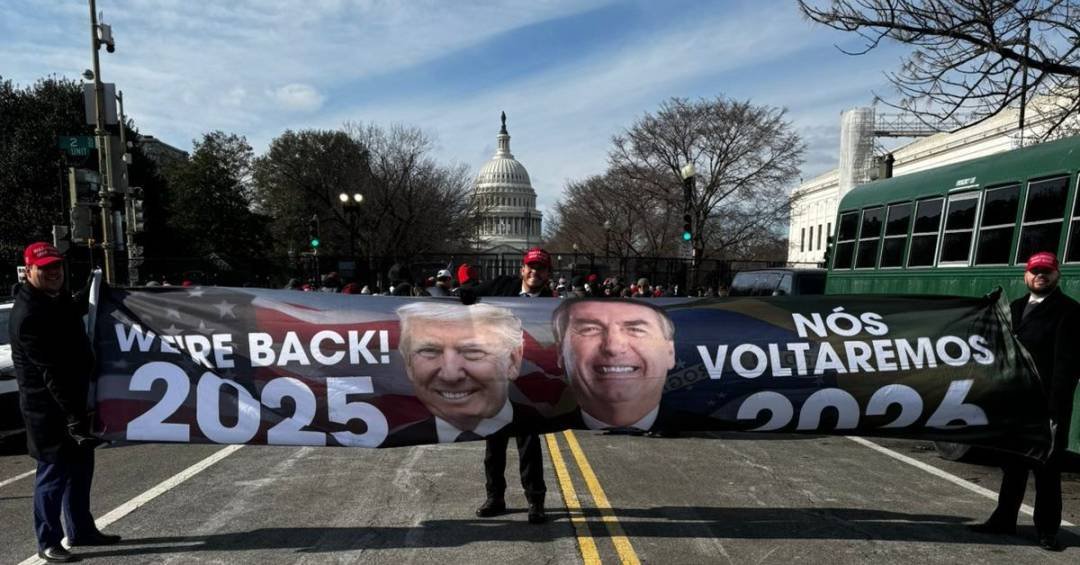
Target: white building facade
817, 200
505, 196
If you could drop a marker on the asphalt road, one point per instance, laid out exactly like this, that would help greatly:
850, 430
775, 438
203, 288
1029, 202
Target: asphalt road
612, 499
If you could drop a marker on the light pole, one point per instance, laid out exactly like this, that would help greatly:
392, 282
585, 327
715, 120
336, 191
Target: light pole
607, 239
689, 176
351, 204
101, 34
573, 266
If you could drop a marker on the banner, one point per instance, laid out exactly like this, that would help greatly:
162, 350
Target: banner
281, 367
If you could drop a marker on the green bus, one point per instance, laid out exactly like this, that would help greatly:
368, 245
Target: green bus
963, 229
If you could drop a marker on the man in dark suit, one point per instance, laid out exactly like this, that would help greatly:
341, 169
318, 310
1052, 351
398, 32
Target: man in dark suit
532, 282
1046, 323
460, 360
53, 363
617, 354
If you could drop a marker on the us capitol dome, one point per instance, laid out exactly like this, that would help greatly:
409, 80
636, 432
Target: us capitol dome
507, 201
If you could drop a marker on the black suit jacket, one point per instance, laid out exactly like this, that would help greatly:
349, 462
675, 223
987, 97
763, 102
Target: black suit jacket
424, 432
1050, 334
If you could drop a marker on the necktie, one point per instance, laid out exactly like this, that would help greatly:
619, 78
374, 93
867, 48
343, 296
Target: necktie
468, 436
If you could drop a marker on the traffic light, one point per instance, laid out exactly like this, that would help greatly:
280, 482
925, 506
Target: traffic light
313, 232
138, 219
687, 232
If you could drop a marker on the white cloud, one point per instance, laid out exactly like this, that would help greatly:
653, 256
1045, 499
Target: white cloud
297, 96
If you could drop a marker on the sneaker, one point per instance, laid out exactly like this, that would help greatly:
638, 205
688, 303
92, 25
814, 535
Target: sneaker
96, 538
57, 554
536, 513
491, 507
991, 527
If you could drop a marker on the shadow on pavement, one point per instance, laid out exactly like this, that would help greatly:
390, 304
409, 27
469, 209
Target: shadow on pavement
661, 522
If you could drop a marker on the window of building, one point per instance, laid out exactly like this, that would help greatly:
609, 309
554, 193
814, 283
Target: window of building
1044, 212
845, 240
997, 225
802, 240
959, 227
869, 238
819, 237
897, 223
924, 233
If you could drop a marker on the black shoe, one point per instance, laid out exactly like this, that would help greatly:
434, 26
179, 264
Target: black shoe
96, 538
1050, 543
57, 554
536, 513
991, 527
491, 507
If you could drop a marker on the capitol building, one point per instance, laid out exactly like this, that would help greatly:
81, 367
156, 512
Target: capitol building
505, 197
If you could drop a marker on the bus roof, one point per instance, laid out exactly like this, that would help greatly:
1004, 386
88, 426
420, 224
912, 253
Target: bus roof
1062, 156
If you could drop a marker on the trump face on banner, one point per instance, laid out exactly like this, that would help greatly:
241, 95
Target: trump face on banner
460, 360
616, 354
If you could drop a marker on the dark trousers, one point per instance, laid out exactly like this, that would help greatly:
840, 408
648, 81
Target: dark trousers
530, 464
1047, 495
63, 486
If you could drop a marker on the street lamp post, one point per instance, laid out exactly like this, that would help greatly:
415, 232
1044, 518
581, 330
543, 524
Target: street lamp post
573, 266
689, 176
607, 240
351, 204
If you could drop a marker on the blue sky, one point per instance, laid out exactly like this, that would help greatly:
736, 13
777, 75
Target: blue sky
568, 73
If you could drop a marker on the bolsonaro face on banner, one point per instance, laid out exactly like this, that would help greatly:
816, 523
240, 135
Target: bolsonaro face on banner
460, 359
616, 354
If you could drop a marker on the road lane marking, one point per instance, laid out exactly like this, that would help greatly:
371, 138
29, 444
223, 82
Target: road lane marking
163, 487
941, 474
586, 544
618, 537
7, 482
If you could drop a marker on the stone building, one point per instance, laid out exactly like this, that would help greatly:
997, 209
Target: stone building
507, 201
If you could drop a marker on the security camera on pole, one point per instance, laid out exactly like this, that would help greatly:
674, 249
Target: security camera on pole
101, 34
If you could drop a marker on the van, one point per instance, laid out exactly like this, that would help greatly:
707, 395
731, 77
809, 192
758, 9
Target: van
778, 282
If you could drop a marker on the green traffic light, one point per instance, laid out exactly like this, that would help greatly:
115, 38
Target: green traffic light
686, 236
314, 243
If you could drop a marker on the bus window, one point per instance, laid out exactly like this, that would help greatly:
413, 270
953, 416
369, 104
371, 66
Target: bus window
896, 230
959, 224
924, 235
845, 240
1043, 217
869, 238
997, 225
1073, 253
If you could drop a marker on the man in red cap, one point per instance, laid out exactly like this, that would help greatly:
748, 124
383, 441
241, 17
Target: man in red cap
532, 282
1046, 322
53, 363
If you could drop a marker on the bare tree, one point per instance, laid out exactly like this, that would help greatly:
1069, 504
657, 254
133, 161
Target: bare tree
747, 159
606, 215
971, 58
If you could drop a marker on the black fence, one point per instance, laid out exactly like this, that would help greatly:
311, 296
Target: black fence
383, 271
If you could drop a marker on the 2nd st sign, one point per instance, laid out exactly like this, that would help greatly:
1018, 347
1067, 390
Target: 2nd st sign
76, 145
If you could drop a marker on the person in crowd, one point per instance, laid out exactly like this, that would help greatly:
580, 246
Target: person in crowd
577, 287
54, 362
616, 354
1046, 322
460, 360
532, 282
443, 284
643, 288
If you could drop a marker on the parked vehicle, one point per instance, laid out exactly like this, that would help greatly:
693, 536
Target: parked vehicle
11, 423
778, 282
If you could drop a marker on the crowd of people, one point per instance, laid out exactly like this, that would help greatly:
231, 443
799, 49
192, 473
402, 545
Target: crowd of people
444, 282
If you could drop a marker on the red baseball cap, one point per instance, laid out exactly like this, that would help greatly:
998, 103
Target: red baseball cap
1042, 260
537, 255
466, 273
41, 254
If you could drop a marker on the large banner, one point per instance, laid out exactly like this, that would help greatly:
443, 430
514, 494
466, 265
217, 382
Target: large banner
228, 365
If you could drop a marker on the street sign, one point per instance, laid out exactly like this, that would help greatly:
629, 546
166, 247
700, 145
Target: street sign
76, 145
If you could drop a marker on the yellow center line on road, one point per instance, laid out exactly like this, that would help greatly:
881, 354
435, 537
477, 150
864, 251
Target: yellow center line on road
589, 555
618, 537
